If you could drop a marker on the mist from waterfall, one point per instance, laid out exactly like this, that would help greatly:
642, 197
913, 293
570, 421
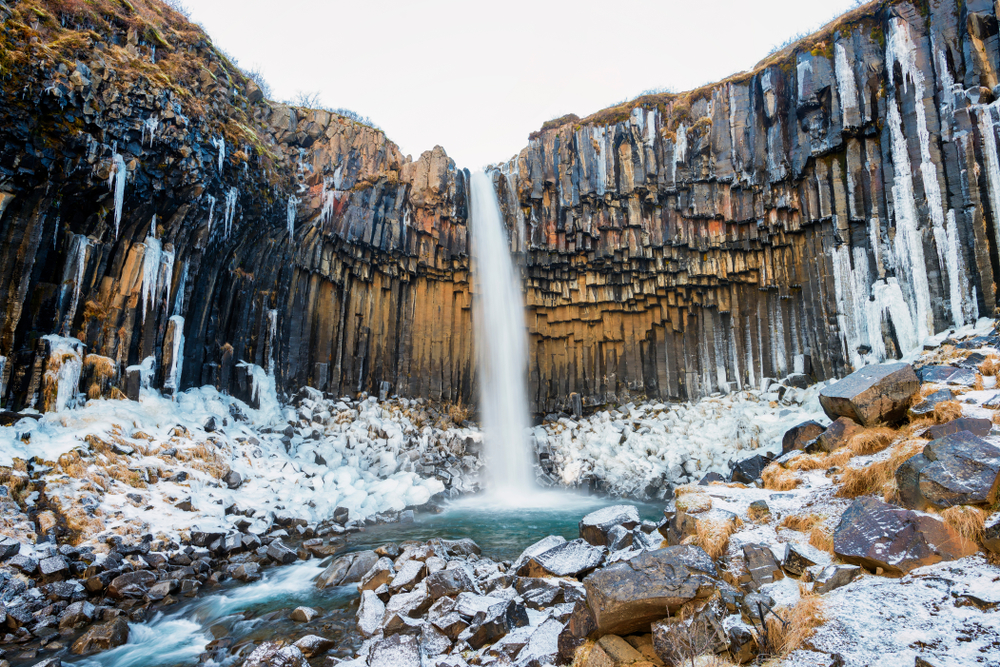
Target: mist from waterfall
501, 345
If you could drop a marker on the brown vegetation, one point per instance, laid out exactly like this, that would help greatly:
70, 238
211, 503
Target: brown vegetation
794, 628
968, 521
874, 477
777, 478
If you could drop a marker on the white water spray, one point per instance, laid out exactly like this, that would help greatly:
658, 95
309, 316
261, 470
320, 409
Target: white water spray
501, 344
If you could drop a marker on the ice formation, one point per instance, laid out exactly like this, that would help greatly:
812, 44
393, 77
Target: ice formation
220, 145
74, 271
231, 197
149, 126
293, 204
116, 182
172, 378
151, 273
66, 362
211, 211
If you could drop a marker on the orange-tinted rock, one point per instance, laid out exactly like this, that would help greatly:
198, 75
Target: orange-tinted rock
874, 395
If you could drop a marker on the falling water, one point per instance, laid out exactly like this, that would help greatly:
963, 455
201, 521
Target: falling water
501, 342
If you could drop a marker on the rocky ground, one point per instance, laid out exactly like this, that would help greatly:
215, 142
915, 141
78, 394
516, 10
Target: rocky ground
884, 502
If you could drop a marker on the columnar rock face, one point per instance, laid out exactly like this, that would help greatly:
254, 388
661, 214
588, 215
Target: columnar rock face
831, 207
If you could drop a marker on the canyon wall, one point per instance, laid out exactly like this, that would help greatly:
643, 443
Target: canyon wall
831, 207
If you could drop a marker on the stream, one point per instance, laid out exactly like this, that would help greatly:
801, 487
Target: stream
258, 611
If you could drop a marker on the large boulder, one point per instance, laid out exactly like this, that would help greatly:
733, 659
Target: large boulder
628, 596
396, 651
963, 470
595, 526
569, 559
131, 584
274, 654
799, 436
875, 394
875, 534
836, 435
349, 569
954, 375
748, 470
102, 637
980, 427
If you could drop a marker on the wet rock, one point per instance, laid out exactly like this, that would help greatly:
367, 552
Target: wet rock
978, 427
595, 526
874, 534
102, 637
836, 435
381, 573
748, 470
303, 614
279, 553
53, 568
370, 613
965, 377
628, 596
450, 583
76, 614
396, 651
963, 470
313, 645
248, 571
131, 584
799, 436
8, 547
490, 625
348, 569
926, 406
763, 567
274, 654
907, 477
341, 515
875, 394
569, 559
832, 577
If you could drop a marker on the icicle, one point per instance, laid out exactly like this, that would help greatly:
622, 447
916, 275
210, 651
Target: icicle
179, 294
220, 144
74, 271
116, 183
3, 382
888, 299
211, 211
329, 198
150, 273
231, 197
964, 304
272, 335
680, 149
172, 380
264, 391
846, 89
149, 126
293, 204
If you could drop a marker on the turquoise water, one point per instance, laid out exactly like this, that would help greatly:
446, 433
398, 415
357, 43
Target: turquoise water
245, 613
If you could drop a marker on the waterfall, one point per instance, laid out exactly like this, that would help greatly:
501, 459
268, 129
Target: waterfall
501, 344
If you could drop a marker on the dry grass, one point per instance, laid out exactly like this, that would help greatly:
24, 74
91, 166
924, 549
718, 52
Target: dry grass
990, 366
821, 461
693, 503
821, 538
713, 535
967, 521
978, 383
801, 622
947, 411
777, 478
874, 477
871, 441
801, 522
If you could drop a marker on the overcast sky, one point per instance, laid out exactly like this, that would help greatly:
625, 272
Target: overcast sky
476, 77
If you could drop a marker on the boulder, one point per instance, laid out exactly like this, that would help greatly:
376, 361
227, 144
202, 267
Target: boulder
834, 576
303, 614
348, 569
908, 482
538, 547
711, 477
748, 470
875, 394
595, 526
8, 547
963, 470
381, 573
490, 625
131, 584
279, 553
875, 534
836, 435
763, 567
410, 572
799, 436
679, 526
370, 613
396, 651
450, 583
76, 614
313, 645
102, 637
273, 654
991, 534
979, 427
542, 646
613, 650
53, 568
628, 596
569, 559
955, 375
926, 406
233, 479
794, 561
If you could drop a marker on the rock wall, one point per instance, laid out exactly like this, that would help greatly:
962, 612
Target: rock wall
831, 207
297, 240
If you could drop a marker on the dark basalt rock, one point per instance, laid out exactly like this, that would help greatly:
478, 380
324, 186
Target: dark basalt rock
799, 436
874, 534
569, 559
836, 435
979, 427
627, 597
955, 375
102, 637
926, 406
763, 567
872, 395
595, 526
963, 470
449, 583
749, 470
131, 585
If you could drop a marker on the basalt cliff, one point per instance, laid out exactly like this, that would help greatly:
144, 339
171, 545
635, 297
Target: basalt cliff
835, 205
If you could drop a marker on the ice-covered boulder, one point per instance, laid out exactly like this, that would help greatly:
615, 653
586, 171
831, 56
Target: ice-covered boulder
569, 559
595, 526
875, 394
875, 534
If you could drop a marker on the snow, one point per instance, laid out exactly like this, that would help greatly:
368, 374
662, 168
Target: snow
69, 353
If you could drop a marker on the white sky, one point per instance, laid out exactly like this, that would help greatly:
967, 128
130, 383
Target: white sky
477, 77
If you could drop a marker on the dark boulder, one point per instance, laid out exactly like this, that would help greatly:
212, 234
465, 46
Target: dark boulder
926, 406
131, 584
349, 569
450, 583
979, 427
595, 526
875, 394
963, 470
965, 377
748, 470
102, 637
761, 563
628, 596
711, 477
275, 654
799, 436
874, 534
490, 625
569, 559
836, 435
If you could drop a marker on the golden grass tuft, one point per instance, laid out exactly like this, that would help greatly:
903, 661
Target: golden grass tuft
713, 535
800, 624
801, 522
873, 478
947, 411
777, 478
871, 440
693, 503
990, 366
978, 382
967, 521
821, 460
821, 538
